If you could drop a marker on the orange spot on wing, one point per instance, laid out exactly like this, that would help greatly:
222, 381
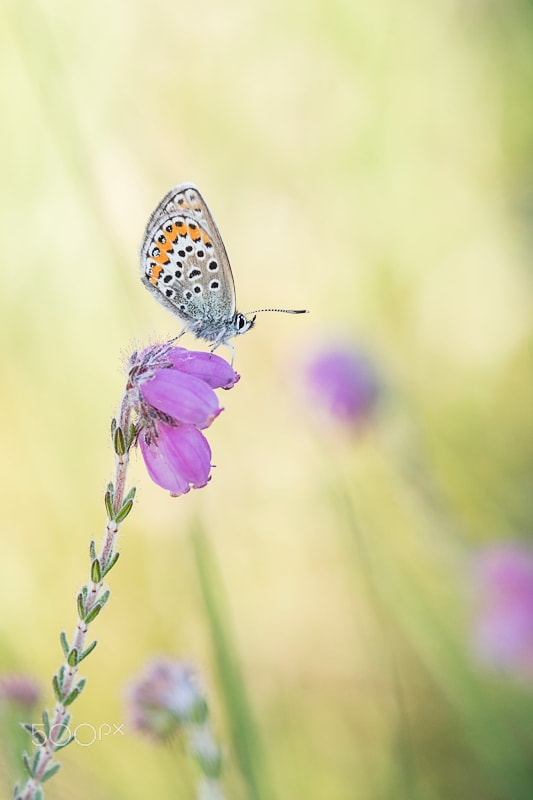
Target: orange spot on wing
165, 247
194, 233
155, 272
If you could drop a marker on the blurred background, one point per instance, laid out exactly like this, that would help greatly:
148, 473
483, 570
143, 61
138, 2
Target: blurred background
373, 163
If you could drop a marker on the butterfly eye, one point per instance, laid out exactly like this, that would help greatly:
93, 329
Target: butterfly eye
241, 324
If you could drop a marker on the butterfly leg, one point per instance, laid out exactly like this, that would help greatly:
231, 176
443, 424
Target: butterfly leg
228, 344
180, 334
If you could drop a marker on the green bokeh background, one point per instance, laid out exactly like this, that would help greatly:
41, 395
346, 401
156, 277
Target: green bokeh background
374, 163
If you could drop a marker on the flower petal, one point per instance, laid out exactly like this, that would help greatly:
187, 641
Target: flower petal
183, 397
180, 457
210, 368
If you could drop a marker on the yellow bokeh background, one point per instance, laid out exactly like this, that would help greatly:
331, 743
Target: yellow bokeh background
373, 163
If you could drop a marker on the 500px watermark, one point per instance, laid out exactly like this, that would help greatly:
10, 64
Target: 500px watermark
83, 734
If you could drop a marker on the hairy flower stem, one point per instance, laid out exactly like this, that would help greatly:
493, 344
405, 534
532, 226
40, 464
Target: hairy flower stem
54, 734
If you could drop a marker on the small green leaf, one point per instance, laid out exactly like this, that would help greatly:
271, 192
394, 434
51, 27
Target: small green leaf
27, 764
81, 606
61, 745
124, 511
113, 427
36, 758
64, 643
112, 561
119, 443
46, 721
92, 549
59, 730
96, 571
108, 500
132, 435
87, 651
38, 794
211, 766
199, 712
38, 737
98, 606
72, 658
130, 495
69, 699
104, 598
93, 613
50, 772
56, 687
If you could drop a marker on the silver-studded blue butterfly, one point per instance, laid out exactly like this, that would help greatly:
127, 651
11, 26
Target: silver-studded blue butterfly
185, 265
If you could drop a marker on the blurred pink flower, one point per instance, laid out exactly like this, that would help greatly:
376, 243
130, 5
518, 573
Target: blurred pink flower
503, 621
165, 697
172, 390
343, 384
19, 690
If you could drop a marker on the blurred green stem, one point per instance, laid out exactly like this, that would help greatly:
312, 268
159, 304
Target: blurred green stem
403, 735
244, 733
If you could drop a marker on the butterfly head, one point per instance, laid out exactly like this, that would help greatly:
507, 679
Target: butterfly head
242, 323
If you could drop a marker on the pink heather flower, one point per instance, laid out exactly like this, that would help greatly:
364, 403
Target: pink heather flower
503, 623
19, 690
172, 390
165, 698
342, 383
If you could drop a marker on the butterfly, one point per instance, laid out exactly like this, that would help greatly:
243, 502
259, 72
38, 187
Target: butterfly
185, 266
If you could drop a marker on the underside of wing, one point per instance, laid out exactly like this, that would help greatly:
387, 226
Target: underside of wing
184, 261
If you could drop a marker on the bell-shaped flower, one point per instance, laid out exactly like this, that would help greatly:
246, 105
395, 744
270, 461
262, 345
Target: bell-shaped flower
172, 391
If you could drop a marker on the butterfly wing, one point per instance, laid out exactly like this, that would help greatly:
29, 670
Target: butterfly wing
185, 265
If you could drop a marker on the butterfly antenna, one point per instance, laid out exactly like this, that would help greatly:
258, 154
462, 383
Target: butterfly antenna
279, 311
